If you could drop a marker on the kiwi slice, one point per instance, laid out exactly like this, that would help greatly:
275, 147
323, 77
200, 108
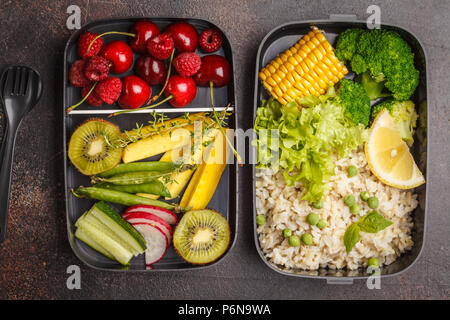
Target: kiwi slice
201, 236
91, 146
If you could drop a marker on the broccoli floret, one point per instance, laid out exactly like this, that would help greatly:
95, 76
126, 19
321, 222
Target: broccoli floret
346, 44
385, 56
354, 98
373, 88
404, 115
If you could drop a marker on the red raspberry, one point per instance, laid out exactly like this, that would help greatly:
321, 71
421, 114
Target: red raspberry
109, 89
210, 40
187, 63
76, 74
93, 98
83, 44
96, 68
160, 46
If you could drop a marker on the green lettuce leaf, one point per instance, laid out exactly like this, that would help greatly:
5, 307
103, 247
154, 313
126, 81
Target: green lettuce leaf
310, 140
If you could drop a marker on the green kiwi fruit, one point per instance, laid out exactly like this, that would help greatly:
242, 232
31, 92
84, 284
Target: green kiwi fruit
91, 146
201, 236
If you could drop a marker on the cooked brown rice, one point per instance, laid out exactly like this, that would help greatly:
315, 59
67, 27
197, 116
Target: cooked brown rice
283, 208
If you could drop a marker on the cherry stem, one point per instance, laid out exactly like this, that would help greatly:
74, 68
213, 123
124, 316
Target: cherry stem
236, 154
167, 79
82, 100
109, 32
146, 107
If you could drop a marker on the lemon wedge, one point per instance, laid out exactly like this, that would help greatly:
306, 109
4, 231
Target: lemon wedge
388, 155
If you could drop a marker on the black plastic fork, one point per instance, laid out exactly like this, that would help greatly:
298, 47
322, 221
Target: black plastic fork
20, 90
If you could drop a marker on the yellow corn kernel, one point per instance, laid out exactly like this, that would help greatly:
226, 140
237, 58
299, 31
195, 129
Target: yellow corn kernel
262, 76
278, 91
271, 81
293, 61
282, 86
282, 101
296, 76
308, 67
276, 77
290, 78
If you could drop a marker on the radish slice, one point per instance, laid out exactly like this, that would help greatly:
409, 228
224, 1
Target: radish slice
156, 240
164, 214
143, 217
166, 232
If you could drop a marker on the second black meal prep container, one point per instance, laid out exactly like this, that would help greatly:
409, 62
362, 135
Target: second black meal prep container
276, 42
224, 199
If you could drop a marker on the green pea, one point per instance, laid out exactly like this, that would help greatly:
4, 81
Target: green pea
312, 218
373, 202
355, 209
374, 262
307, 239
260, 219
322, 224
364, 196
287, 233
352, 171
318, 204
294, 241
349, 200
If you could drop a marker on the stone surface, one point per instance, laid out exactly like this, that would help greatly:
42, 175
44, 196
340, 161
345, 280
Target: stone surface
34, 258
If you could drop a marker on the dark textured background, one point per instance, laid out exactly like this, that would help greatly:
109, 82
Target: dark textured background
34, 258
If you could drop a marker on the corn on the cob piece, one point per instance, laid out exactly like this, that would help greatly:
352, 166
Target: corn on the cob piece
307, 68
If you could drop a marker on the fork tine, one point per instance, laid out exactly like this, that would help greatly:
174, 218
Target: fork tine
17, 75
24, 81
8, 84
30, 76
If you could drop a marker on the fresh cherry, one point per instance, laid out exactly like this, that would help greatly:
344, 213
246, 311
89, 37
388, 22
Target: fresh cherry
213, 68
135, 92
182, 90
119, 54
152, 70
144, 30
184, 35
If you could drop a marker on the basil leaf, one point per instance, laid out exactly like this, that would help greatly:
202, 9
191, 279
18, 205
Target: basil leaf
351, 236
373, 222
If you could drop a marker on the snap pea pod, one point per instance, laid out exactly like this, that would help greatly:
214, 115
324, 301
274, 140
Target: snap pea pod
160, 166
153, 187
131, 178
122, 198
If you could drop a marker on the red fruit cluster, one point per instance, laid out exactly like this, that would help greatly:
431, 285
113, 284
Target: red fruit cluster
133, 91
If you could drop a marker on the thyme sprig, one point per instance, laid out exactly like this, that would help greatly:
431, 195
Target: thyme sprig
220, 122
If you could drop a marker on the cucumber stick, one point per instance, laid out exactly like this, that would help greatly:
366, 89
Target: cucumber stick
119, 226
104, 230
81, 234
99, 225
97, 236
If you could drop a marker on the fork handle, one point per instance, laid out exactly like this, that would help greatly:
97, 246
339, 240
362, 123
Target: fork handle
6, 157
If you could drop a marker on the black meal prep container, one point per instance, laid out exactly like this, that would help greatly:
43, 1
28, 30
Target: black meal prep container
276, 42
224, 199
